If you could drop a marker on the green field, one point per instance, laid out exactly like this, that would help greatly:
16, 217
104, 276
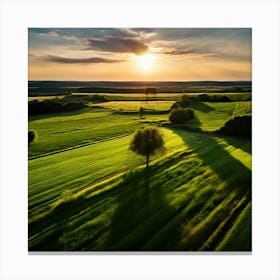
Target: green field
134, 106
65, 130
88, 191
41, 98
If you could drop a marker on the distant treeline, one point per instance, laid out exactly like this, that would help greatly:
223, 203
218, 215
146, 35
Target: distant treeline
52, 106
37, 88
110, 90
41, 91
188, 101
84, 98
72, 84
65, 104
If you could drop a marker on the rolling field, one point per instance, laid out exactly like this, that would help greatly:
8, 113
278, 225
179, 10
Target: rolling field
209, 116
50, 176
134, 106
98, 195
65, 130
242, 108
42, 98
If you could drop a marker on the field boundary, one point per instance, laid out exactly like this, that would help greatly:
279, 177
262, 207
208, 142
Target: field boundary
79, 146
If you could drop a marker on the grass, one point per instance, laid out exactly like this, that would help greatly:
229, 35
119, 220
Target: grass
210, 116
42, 98
50, 176
134, 106
186, 191
195, 196
60, 131
238, 238
242, 108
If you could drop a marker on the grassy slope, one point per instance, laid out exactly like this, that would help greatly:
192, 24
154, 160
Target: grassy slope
190, 193
238, 238
50, 176
242, 108
211, 115
60, 131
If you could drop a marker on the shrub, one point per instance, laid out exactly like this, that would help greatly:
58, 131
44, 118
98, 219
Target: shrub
238, 126
188, 101
176, 105
31, 136
220, 98
180, 116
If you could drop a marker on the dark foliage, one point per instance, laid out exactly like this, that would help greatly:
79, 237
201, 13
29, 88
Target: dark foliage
52, 106
238, 126
109, 90
41, 88
38, 91
180, 116
84, 98
188, 101
146, 142
31, 136
176, 105
151, 90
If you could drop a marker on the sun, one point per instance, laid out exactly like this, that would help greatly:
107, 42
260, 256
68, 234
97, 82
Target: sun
146, 61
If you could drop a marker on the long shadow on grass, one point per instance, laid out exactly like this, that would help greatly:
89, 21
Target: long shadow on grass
138, 216
239, 143
230, 170
219, 160
202, 107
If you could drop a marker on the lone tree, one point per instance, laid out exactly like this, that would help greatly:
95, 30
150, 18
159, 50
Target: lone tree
146, 142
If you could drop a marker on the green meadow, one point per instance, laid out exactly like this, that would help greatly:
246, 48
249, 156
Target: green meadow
88, 192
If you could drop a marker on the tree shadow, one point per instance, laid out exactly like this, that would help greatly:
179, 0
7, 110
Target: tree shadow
236, 181
202, 107
136, 219
219, 160
238, 142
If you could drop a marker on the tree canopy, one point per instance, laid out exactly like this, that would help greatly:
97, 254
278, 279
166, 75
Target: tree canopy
146, 142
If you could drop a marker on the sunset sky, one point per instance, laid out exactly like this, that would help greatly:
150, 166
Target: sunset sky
139, 54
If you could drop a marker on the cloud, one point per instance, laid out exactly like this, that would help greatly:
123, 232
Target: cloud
220, 54
84, 33
117, 45
216, 43
53, 34
171, 34
68, 60
224, 43
191, 51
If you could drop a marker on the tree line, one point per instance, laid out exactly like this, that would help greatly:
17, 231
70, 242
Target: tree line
52, 106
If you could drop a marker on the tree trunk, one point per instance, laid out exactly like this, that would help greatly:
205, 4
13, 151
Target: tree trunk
147, 161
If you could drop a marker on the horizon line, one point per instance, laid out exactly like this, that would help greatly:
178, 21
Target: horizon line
132, 81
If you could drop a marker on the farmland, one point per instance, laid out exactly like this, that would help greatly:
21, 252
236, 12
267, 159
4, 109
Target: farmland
135, 106
87, 191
